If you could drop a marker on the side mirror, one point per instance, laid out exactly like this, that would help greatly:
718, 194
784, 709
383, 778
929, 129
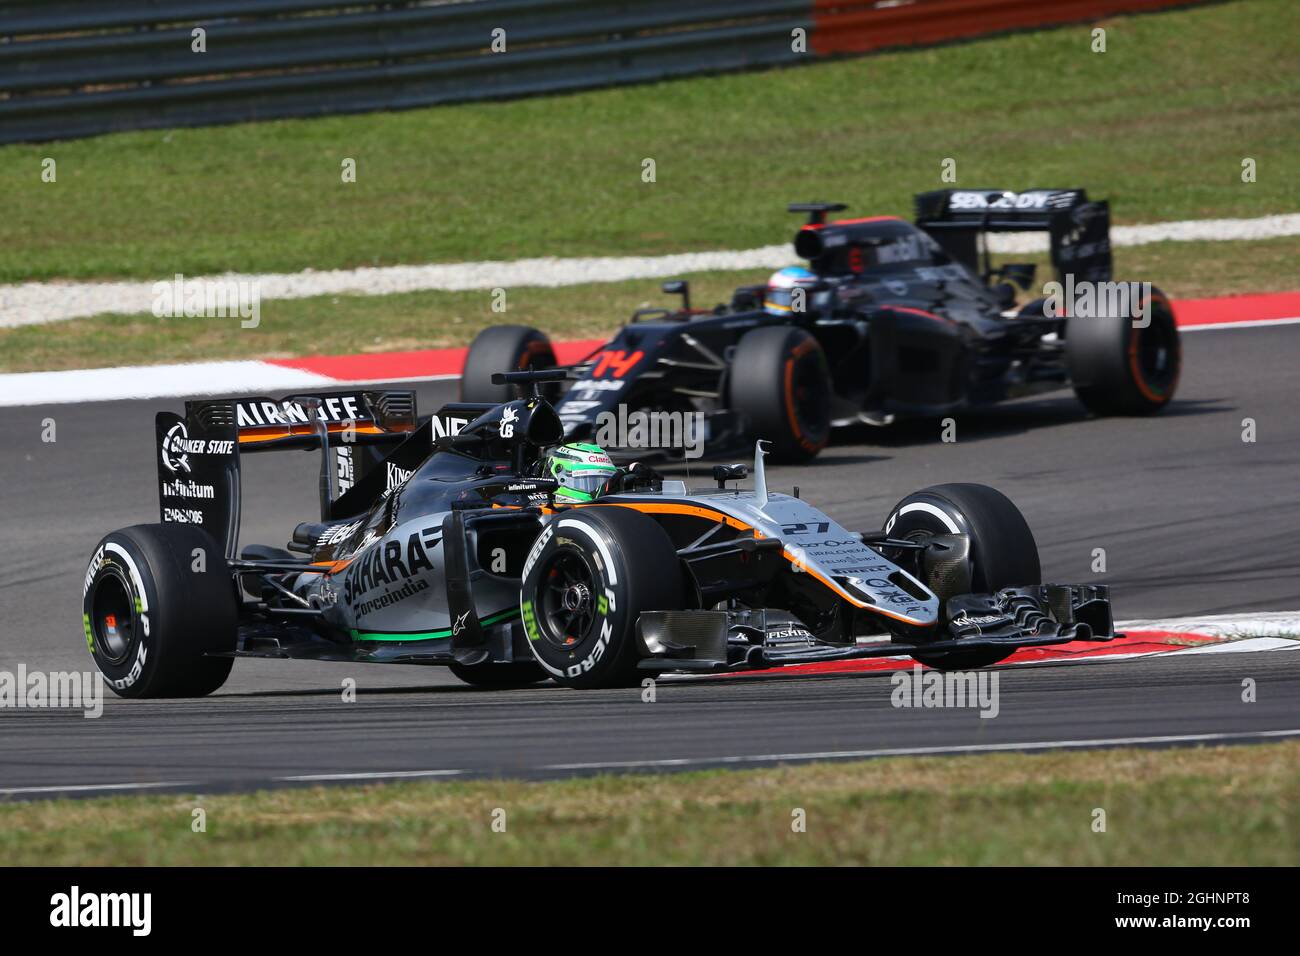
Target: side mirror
725, 473
679, 287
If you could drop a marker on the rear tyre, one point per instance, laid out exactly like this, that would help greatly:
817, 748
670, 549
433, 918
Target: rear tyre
1003, 552
1118, 369
158, 598
586, 581
780, 383
502, 348
500, 675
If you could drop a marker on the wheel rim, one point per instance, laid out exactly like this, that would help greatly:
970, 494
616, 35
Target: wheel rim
112, 616
1154, 353
567, 599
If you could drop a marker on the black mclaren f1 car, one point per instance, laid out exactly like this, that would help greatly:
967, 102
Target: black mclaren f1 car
889, 319
451, 546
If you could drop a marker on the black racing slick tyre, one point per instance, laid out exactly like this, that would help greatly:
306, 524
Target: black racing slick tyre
1120, 368
1003, 552
158, 599
502, 348
780, 384
588, 577
500, 675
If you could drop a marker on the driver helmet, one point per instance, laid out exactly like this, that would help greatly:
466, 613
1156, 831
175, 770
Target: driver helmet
581, 469
779, 299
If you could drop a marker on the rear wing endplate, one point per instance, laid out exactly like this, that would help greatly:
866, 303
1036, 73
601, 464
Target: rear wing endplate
199, 453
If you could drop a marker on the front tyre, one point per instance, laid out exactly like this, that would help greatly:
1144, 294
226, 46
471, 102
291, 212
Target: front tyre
502, 348
158, 599
781, 384
588, 577
1120, 369
1003, 552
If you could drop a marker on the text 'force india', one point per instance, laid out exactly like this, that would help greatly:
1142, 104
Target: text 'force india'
450, 546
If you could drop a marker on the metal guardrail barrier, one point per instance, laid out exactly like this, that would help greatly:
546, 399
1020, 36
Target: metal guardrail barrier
72, 68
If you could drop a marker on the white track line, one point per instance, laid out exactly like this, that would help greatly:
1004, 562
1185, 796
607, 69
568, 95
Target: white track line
35, 302
96, 787
1252, 324
374, 775
923, 751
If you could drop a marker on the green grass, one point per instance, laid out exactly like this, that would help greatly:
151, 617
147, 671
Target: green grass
1205, 807
1159, 124
331, 325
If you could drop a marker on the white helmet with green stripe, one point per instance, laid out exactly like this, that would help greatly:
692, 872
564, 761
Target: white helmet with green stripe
581, 470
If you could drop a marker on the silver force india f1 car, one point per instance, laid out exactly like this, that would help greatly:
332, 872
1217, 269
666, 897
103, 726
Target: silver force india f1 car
477, 539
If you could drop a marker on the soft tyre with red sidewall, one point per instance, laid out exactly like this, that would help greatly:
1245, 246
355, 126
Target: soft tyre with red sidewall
780, 383
158, 599
1120, 367
629, 565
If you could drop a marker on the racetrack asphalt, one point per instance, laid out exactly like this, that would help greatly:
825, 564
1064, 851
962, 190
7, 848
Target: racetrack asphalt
1193, 520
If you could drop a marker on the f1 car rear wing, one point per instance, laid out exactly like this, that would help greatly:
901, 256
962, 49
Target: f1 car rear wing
199, 453
1078, 230
293, 421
